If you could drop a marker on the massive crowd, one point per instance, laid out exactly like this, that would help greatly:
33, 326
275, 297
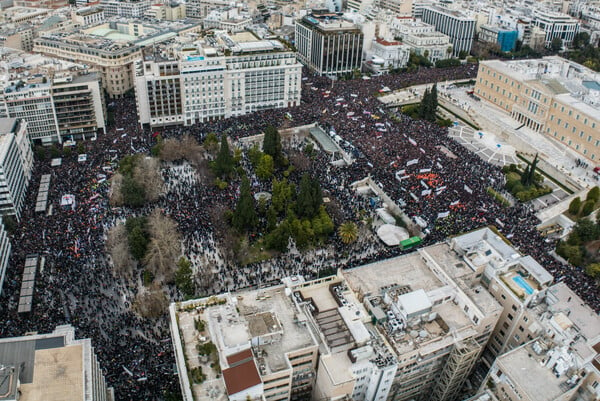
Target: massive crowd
437, 182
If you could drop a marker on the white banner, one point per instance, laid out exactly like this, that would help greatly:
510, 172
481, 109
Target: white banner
443, 215
469, 190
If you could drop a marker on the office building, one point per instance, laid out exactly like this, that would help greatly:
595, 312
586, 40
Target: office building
18, 37
553, 96
327, 44
422, 39
196, 82
406, 328
51, 367
16, 161
505, 39
556, 25
459, 27
5, 248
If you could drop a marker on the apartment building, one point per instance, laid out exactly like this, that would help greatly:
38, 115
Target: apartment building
57, 106
515, 281
51, 367
199, 9
327, 44
398, 7
410, 327
553, 96
538, 371
195, 83
459, 27
5, 248
263, 346
556, 25
18, 37
16, 162
167, 11
422, 38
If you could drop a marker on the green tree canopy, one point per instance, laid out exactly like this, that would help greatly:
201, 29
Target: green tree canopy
272, 145
134, 194
593, 194
184, 278
244, 217
265, 167
348, 232
574, 206
309, 197
223, 165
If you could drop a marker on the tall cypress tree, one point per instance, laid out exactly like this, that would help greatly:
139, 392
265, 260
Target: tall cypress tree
223, 165
531, 178
433, 103
272, 144
424, 106
244, 217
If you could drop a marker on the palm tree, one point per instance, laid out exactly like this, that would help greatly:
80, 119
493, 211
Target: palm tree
348, 232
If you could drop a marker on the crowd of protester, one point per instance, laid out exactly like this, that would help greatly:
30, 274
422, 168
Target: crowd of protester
436, 182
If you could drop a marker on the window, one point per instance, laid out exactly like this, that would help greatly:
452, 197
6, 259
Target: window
521, 329
514, 307
510, 316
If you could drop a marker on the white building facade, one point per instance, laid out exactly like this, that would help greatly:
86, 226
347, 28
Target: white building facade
16, 161
459, 27
197, 88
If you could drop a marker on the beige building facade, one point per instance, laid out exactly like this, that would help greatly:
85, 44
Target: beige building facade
552, 96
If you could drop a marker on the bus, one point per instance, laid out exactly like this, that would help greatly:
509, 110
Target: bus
410, 243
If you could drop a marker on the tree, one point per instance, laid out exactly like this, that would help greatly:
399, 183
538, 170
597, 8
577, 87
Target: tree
147, 174
587, 208
574, 206
133, 193
183, 278
593, 194
164, 248
223, 164
117, 246
556, 44
581, 40
265, 167
348, 232
272, 145
244, 217
462, 54
424, 108
593, 270
309, 197
282, 194
586, 230
211, 143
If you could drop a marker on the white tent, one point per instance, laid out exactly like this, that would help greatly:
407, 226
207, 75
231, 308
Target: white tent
391, 235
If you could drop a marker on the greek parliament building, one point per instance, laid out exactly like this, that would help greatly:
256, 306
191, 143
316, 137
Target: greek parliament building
551, 95
327, 44
51, 367
197, 82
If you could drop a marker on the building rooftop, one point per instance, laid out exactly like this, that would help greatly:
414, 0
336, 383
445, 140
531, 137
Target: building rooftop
528, 367
49, 366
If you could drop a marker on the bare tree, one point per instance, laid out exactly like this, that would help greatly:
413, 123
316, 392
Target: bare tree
116, 196
300, 161
191, 149
118, 248
171, 150
151, 303
164, 248
147, 173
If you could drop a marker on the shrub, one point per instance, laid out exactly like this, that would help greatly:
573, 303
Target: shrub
574, 206
587, 208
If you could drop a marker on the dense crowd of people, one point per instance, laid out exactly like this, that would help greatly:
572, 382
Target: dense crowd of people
438, 184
